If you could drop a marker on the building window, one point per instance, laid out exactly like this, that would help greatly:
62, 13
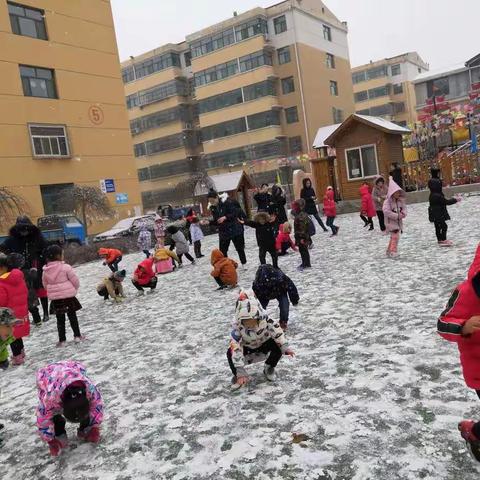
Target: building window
223, 100
258, 90
397, 88
361, 96
188, 59
209, 44
333, 88
156, 64
376, 72
128, 74
218, 72
53, 198
295, 145
38, 82
288, 85
396, 69
361, 162
327, 33
263, 119
250, 29
27, 21
419, 70
291, 114
224, 129
255, 60
337, 114
358, 77
439, 86
398, 107
284, 55
49, 141
379, 92
280, 24
330, 60
177, 87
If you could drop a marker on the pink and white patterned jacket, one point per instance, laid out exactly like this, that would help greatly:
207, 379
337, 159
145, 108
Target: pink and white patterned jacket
52, 380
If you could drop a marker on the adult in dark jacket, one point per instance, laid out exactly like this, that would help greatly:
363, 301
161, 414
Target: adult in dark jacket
396, 174
277, 205
271, 283
226, 214
437, 211
308, 194
26, 239
265, 230
263, 198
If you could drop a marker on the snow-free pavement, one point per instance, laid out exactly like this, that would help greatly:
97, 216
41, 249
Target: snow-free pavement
377, 392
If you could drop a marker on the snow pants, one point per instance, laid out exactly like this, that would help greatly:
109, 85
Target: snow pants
305, 254
59, 423
284, 305
238, 242
152, 284
393, 244
262, 254
114, 265
441, 229
330, 224
381, 220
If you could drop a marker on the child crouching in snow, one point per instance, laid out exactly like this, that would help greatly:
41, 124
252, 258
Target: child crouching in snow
7, 320
224, 270
144, 276
460, 323
61, 283
165, 260
284, 241
111, 286
254, 335
65, 393
395, 210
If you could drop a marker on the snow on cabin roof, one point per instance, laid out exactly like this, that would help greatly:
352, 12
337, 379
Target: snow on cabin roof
385, 124
323, 133
224, 182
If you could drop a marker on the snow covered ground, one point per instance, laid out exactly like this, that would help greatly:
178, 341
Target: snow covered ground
375, 389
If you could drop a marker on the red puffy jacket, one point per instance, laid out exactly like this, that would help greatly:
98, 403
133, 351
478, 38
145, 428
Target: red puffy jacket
463, 304
14, 295
144, 272
110, 254
368, 207
329, 207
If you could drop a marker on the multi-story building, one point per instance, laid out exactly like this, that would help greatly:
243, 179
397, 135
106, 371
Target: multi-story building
62, 103
238, 95
384, 88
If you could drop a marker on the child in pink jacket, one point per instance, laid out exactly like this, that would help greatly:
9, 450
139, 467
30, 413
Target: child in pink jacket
61, 283
395, 210
65, 393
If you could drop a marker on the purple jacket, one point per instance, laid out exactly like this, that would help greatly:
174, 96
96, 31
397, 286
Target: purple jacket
60, 280
52, 380
395, 210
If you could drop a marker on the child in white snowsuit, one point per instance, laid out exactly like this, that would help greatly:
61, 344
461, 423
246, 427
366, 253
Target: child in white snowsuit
254, 335
180, 244
196, 234
144, 241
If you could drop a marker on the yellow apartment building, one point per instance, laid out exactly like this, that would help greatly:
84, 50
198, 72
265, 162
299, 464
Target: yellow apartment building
384, 88
240, 94
63, 118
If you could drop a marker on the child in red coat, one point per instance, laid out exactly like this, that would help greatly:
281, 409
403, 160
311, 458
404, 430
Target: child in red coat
14, 295
367, 209
284, 240
330, 209
460, 323
144, 276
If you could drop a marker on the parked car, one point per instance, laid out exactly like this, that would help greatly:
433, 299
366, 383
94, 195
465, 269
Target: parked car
62, 229
126, 227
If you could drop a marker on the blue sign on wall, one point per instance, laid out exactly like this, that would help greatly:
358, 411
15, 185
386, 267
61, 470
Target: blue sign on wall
121, 198
109, 185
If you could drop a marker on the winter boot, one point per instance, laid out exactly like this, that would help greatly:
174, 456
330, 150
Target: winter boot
46, 318
79, 339
466, 431
89, 434
4, 365
235, 386
269, 373
18, 360
61, 344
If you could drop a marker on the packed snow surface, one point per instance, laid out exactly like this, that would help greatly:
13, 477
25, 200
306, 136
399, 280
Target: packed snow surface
377, 392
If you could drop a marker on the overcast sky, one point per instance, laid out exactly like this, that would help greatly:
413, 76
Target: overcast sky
444, 32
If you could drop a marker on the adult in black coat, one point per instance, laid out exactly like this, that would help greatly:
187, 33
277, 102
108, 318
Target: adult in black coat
26, 240
271, 283
226, 214
308, 194
263, 198
265, 230
437, 211
396, 174
277, 205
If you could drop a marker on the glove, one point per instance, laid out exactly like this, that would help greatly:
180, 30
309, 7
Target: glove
90, 434
57, 444
458, 198
119, 299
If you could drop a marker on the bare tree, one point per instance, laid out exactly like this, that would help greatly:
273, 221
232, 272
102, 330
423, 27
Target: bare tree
88, 203
11, 205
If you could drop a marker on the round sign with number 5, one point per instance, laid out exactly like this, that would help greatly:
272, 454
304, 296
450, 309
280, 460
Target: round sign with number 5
96, 115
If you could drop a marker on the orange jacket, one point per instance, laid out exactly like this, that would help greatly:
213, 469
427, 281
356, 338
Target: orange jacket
225, 268
110, 254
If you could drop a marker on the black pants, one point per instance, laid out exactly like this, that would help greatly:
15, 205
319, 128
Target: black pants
320, 222
305, 254
219, 282
103, 292
441, 229
330, 224
262, 254
238, 242
283, 303
17, 347
284, 248
152, 284
114, 265
146, 252
72, 317
59, 425
367, 220
44, 302
189, 257
268, 346
381, 220
197, 248
37, 319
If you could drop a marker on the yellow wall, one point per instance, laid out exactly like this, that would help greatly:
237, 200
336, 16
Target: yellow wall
82, 50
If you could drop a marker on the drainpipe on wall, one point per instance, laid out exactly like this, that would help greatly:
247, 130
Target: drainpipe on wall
300, 78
